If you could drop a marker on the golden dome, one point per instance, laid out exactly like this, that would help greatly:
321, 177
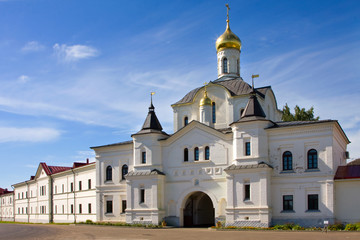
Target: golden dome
228, 40
205, 100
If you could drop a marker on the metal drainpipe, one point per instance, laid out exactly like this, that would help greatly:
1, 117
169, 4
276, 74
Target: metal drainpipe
51, 197
74, 196
13, 202
28, 201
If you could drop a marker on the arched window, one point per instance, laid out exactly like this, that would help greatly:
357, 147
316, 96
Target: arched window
225, 65
287, 160
108, 173
207, 153
186, 155
196, 154
312, 159
186, 121
124, 171
213, 112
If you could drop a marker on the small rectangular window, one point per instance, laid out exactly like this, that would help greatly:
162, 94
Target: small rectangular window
109, 207
247, 149
123, 206
288, 203
142, 195
246, 192
143, 157
89, 184
89, 208
80, 185
71, 187
63, 209
63, 188
80, 208
71, 208
313, 202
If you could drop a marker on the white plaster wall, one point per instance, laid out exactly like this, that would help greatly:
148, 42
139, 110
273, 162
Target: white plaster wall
301, 181
347, 196
62, 201
114, 190
7, 207
232, 56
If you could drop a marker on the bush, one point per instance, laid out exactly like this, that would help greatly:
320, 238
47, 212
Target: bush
89, 221
352, 227
336, 227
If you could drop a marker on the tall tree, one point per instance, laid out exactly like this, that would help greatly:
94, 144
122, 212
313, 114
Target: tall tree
300, 114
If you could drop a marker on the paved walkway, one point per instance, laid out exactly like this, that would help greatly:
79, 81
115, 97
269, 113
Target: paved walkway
74, 232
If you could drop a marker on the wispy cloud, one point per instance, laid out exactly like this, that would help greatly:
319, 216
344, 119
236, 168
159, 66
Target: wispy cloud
13, 134
23, 79
32, 46
75, 52
83, 155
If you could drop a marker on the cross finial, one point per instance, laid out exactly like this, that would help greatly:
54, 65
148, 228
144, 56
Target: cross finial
228, 8
151, 94
254, 76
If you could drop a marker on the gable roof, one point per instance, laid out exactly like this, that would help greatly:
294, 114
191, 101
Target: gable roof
220, 132
235, 86
53, 169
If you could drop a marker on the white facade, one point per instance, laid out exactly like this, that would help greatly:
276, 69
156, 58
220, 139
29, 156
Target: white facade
230, 159
54, 195
7, 206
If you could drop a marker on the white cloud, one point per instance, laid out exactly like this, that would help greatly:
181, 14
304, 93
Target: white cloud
13, 134
23, 79
75, 52
33, 46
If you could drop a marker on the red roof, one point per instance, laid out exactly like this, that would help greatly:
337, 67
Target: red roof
5, 191
348, 172
49, 170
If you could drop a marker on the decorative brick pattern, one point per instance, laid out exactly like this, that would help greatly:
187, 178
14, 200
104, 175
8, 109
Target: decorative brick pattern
247, 224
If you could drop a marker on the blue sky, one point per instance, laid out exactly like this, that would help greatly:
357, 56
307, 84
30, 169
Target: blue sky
76, 74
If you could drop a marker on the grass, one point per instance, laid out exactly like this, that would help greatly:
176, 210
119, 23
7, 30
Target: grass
295, 227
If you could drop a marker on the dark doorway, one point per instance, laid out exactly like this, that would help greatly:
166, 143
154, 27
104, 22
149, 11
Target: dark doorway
199, 211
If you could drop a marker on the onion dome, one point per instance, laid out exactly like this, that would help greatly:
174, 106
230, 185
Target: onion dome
205, 100
228, 40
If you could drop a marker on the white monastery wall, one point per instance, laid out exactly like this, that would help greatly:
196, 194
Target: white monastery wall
347, 195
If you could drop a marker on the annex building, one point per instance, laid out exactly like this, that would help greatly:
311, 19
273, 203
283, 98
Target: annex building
229, 159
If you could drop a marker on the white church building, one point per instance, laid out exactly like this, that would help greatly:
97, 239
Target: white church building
229, 159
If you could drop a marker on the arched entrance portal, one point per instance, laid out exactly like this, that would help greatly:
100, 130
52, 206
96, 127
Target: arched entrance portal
199, 211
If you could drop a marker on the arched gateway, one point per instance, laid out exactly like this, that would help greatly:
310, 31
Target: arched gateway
199, 211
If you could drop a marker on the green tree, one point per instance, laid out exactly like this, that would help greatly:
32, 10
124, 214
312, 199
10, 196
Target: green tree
300, 114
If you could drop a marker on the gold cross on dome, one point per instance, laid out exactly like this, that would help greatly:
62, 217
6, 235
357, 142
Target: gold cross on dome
228, 8
205, 84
